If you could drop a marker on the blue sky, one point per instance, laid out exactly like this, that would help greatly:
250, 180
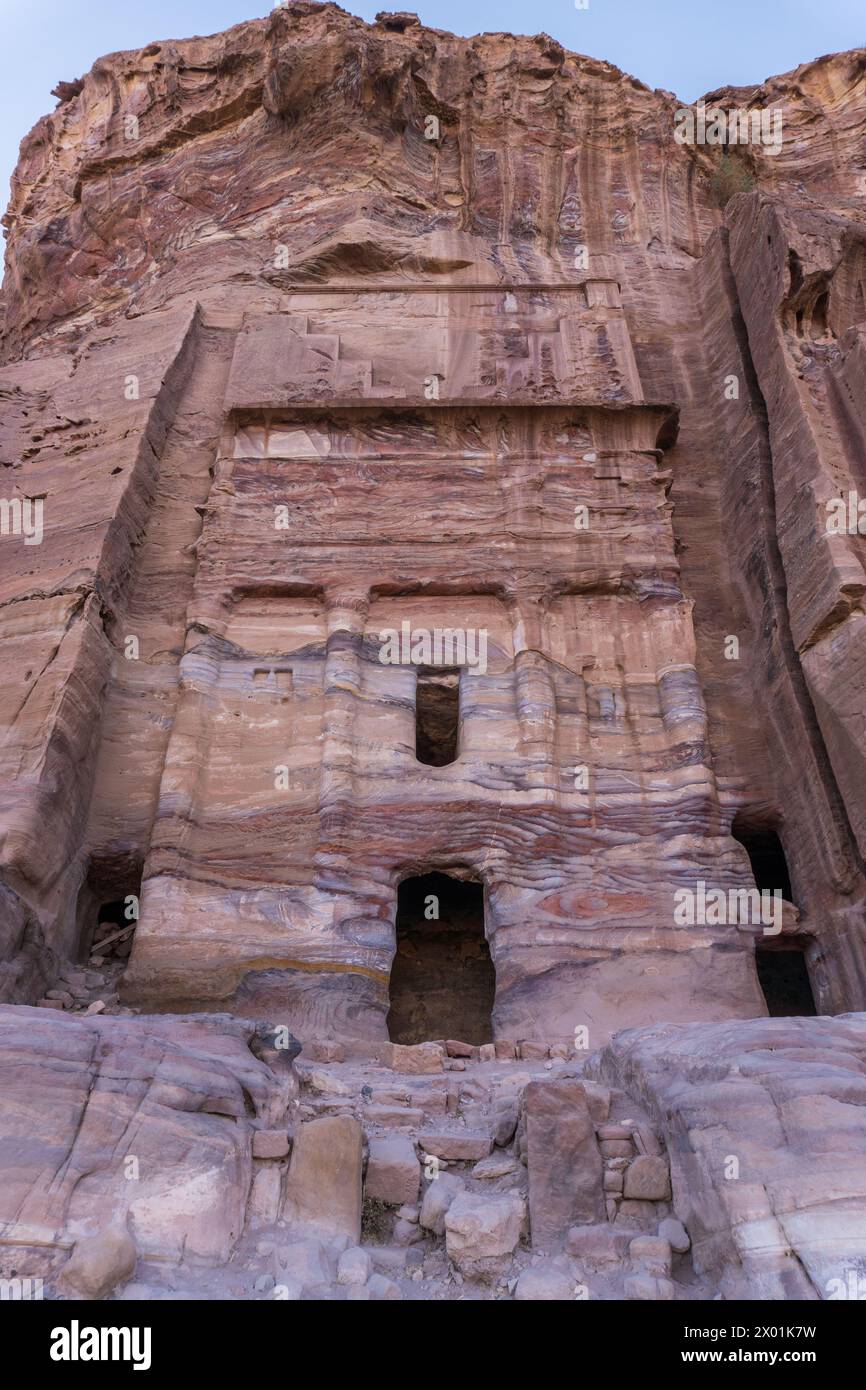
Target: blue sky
686, 46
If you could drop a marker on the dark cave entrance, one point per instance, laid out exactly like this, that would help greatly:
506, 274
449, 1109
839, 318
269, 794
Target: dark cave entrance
782, 961
115, 927
108, 908
437, 716
784, 977
766, 856
442, 977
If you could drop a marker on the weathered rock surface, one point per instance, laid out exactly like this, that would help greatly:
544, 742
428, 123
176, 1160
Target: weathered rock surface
563, 1160
647, 1179
98, 1264
456, 1144
479, 1228
323, 1188
303, 1264
140, 1123
353, 1266
766, 1131
270, 1143
393, 1171
438, 1197
279, 374
148, 1125
544, 1283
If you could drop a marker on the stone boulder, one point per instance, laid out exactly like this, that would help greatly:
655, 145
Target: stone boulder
323, 1186
437, 1199
481, 1228
420, 1059
98, 1264
647, 1179
303, 1263
600, 1248
393, 1171
546, 1283
461, 1146
563, 1161
353, 1266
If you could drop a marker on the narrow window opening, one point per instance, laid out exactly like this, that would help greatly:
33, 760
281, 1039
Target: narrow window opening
442, 978
273, 680
437, 716
784, 978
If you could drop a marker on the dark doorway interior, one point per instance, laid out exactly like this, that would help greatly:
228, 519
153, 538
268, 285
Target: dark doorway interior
784, 978
442, 978
766, 857
113, 914
113, 918
437, 716
108, 905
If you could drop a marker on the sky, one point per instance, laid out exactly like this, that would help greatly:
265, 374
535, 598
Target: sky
686, 46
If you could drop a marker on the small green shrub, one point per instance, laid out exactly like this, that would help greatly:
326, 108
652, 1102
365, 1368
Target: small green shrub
731, 176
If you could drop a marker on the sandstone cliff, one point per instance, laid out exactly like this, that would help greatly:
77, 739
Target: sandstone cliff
313, 329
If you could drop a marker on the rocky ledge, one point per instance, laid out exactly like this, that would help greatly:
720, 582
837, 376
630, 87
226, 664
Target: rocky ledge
167, 1157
